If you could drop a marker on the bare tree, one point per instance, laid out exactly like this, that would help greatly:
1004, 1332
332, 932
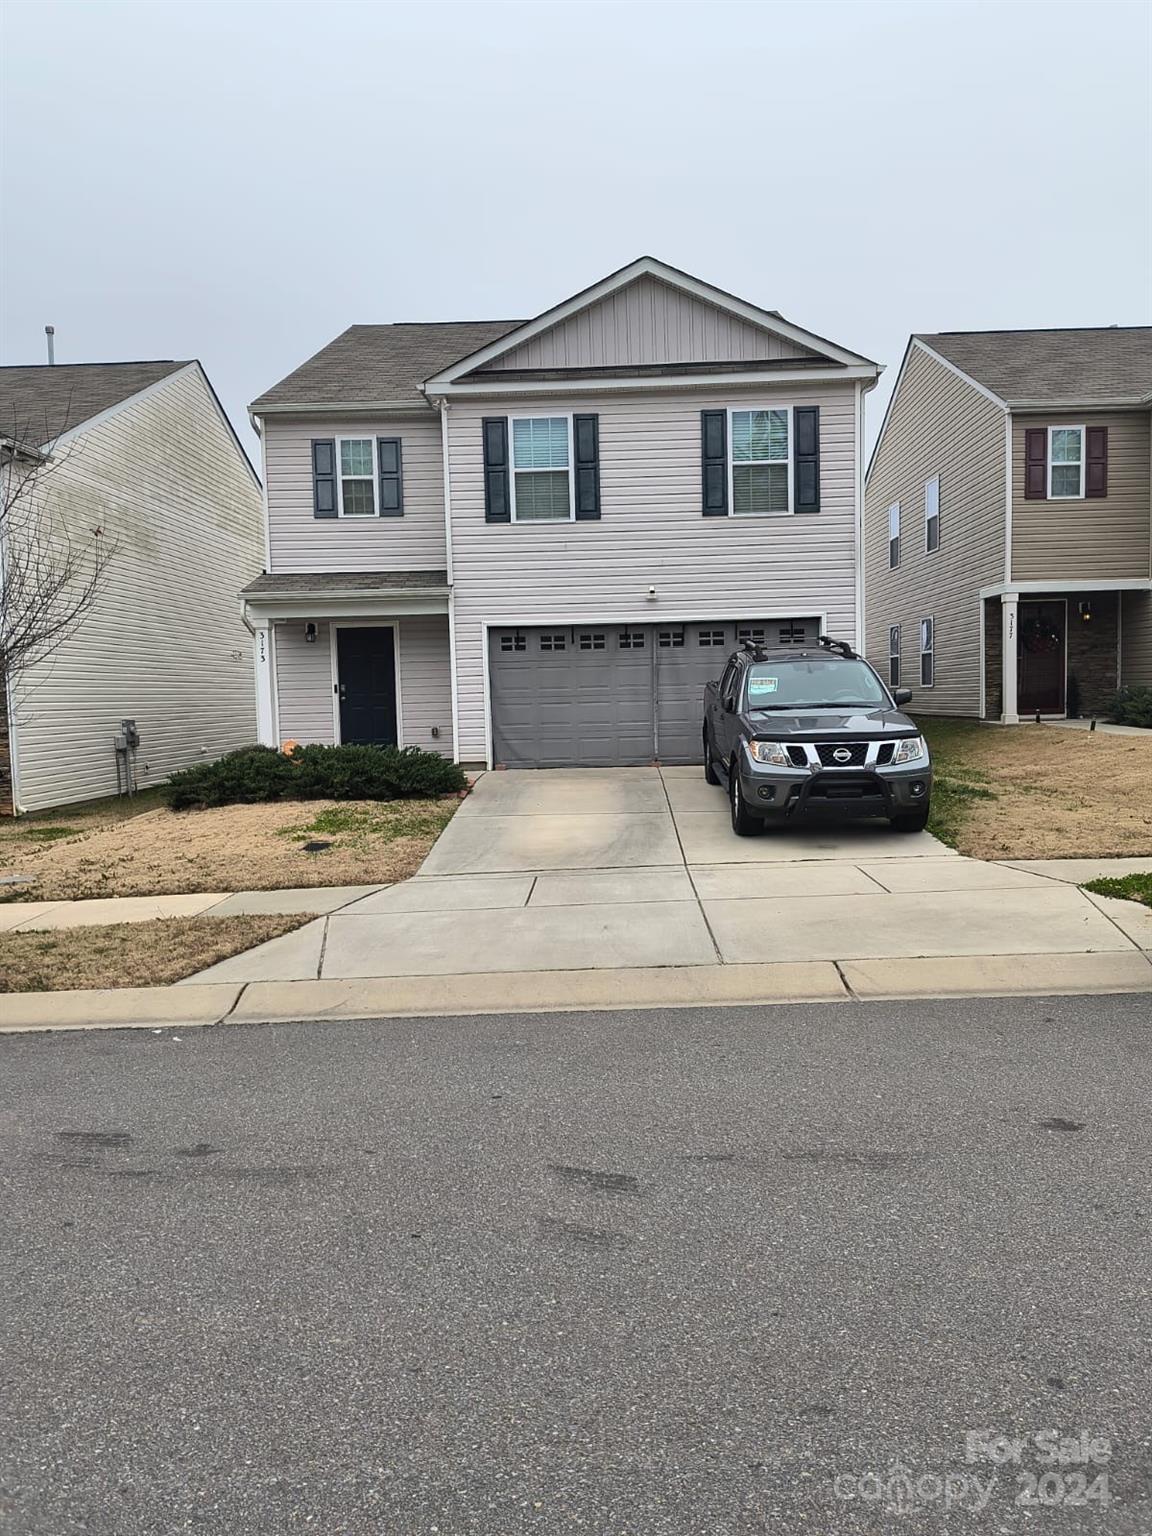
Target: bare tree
51, 570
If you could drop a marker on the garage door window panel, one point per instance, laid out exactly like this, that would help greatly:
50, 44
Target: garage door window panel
542, 489
761, 466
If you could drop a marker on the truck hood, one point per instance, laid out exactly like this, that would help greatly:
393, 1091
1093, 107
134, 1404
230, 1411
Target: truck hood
829, 725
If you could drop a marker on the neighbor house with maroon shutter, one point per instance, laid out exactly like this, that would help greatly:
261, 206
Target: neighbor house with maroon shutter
1008, 522
532, 542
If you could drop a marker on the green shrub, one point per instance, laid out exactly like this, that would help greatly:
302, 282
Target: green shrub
314, 773
1132, 706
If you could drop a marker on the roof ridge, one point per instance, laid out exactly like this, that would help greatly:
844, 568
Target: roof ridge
124, 362
1034, 330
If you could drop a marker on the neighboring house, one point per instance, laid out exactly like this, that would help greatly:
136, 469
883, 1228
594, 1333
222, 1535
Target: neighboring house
1008, 542
144, 452
531, 543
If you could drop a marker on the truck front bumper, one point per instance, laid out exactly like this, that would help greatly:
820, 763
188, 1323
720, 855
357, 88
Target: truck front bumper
841, 794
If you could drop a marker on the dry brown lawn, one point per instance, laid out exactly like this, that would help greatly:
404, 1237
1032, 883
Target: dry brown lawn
102, 850
151, 954
1036, 792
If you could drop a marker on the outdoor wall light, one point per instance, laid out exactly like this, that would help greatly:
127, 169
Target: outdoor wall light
1086, 612
310, 634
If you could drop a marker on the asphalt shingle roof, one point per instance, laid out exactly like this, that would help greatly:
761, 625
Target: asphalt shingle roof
39, 402
1081, 366
382, 364
293, 583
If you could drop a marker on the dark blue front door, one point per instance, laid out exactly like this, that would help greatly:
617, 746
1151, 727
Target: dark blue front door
366, 666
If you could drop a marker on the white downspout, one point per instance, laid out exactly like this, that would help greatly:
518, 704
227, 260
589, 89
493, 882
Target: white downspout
442, 403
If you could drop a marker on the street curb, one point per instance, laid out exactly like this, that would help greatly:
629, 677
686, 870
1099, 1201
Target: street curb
211, 1003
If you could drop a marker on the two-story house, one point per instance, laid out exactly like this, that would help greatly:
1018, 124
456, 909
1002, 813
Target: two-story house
140, 457
530, 543
1008, 525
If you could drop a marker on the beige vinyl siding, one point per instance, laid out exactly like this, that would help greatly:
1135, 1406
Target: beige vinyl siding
1136, 639
649, 322
937, 425
165, 643
299, 541
651, 533
306, 698
1075, 540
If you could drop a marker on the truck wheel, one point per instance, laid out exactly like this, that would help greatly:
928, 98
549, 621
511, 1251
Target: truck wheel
744, 824
913, 821
710, 774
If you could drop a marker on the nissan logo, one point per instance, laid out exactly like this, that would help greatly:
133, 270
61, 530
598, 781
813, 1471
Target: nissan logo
841, 755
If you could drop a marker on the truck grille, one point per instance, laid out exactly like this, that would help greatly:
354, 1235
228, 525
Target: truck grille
827, 750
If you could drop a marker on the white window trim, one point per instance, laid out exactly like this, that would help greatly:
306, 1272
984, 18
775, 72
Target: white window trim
895, 633
894, 565
932, 517
734, 410
357, 517
513, 471
1060, 427
927, 650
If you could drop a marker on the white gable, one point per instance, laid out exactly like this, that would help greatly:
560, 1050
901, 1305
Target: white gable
649, 322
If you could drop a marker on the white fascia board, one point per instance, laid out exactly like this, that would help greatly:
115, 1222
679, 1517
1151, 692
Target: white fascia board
635, 383
1047, 407
646, 266
326, 605
346, 408
1088, 584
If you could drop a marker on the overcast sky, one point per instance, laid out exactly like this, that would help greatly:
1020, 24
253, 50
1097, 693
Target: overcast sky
238, 182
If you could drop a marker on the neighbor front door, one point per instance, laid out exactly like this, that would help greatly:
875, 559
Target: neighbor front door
1040, 658
366, 685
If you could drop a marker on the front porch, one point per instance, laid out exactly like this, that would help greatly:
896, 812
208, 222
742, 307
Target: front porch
353, 658
1054, 652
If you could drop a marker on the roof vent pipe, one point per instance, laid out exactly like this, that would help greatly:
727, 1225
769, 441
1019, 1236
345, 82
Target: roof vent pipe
50, 332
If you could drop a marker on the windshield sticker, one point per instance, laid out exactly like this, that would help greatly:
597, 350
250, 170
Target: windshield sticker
762, 684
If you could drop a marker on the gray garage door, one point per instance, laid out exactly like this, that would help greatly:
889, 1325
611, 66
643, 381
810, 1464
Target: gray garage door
612, 695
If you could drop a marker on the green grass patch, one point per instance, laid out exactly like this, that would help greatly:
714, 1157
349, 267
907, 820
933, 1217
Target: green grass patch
957, 784
50, 834
1127, 887
373, 823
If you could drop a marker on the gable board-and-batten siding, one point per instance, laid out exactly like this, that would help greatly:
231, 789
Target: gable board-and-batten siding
651, 533
1106, 537
1136, 639
649, 322
165, 643
937, 425
304, 689
299, 541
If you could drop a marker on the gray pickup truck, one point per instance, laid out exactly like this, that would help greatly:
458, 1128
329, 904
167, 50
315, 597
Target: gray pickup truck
813, 733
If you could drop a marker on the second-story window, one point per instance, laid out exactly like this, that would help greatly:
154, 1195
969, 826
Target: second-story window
894, 535
760, 462
1065, 463
357, 477
541, 469
932, 514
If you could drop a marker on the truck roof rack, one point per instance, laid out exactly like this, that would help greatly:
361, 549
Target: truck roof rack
841, 647
757, 652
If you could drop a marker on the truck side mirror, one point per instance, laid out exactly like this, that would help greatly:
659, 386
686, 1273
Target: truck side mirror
901, 697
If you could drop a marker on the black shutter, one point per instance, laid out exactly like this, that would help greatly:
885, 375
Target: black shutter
714, 455
1036, 463
1096, 462
324, 502
806, 458
497, 501
391, 476
586, 435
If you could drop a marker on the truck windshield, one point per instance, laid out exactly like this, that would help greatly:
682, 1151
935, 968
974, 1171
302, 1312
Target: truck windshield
812, 684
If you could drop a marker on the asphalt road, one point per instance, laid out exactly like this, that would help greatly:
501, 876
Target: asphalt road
629, 1274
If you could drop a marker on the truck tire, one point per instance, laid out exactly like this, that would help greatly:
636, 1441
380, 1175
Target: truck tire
912, 821
710, 774
744, 824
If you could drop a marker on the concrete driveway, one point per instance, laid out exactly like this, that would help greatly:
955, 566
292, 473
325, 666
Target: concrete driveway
639, 868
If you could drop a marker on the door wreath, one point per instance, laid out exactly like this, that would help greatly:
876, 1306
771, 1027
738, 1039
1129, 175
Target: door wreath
1040, 637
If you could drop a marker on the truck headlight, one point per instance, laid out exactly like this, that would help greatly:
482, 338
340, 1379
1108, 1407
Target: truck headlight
910, 750
768, 752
